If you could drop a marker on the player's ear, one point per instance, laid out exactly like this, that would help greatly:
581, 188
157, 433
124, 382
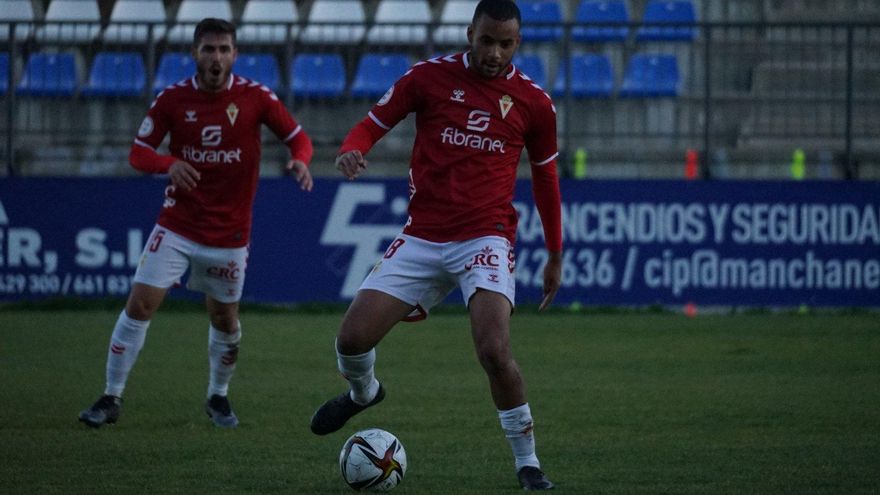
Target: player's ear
470, 35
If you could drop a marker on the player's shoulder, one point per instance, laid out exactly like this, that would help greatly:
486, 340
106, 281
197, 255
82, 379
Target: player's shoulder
439, 64
178, 89
252, 87
529, 90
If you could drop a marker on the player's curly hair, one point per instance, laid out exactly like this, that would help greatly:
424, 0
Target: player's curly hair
500, 10
213, 25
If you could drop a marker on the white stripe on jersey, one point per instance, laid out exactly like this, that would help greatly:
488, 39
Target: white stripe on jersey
292, 134
145, 145
377, 121
545, 162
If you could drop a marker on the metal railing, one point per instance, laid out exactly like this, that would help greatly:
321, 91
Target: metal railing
748, 94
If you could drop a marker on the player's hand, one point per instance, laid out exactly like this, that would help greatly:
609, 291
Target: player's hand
351, 164
301, 172
183, 175
552, 278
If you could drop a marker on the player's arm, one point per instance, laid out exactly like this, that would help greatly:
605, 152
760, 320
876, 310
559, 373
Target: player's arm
298, 143
144, 157
541, 144
395, 105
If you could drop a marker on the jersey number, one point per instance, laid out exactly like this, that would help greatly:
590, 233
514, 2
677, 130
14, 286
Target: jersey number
394, 247
156, 241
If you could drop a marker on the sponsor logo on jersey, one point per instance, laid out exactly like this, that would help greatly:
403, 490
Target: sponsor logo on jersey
197, 155
457, 95
212, 135
478, 120
190, 116
232, 113
506, 103
146, 127
229, 272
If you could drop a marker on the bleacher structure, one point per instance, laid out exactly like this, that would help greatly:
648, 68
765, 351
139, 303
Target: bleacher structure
636, 83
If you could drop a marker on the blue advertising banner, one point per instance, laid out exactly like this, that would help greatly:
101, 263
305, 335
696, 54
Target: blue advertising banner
742, 243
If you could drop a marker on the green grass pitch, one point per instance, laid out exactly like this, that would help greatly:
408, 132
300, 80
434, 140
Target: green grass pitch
623, 403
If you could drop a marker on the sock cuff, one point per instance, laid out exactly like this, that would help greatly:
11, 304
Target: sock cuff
367, 358
215, 335
517, 419
130, 323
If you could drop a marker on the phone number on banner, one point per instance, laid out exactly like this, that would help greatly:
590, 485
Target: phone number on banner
68, 284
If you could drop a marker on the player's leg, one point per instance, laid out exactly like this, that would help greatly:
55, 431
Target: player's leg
162, 263
224, 337
220, 274
369, 318
486, 276
490, 323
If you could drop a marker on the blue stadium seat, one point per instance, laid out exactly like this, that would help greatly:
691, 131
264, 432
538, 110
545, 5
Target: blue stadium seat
49, 74
116, 74
317, 75
541, 20
532, 66
262, 68
649, 76
4, 73
601, 12
173, 67
668, 12
591, 77
377, 72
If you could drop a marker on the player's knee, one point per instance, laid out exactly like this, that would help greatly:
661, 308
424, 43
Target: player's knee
494, 359
140, 309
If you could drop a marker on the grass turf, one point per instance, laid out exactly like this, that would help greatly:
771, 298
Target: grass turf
623, 403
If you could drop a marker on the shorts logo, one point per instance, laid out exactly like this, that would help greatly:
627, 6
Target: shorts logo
486, 259
231, 272
478, 121
212, 135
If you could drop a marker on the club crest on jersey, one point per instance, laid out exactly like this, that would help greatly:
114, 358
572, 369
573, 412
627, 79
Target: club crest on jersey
457, 95
232, 113
506, 103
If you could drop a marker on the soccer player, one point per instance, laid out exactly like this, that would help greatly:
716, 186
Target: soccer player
474, 114
214, 119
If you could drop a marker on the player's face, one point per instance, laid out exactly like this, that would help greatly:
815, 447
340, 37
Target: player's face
493, 44
214, 56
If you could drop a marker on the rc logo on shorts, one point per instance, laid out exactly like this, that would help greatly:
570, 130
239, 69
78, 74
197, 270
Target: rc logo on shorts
230, 272
212, 135
486, 259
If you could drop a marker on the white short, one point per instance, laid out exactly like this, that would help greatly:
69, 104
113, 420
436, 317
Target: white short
218, 272
423, 273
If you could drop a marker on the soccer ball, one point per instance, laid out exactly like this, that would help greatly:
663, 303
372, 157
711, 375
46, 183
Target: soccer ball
372, 460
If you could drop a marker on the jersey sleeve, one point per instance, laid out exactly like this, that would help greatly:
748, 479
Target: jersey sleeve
400, 99
144, 155
284, 126
541, 145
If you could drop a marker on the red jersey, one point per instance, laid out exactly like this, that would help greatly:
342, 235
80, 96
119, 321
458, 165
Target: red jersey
219, 135
470, 133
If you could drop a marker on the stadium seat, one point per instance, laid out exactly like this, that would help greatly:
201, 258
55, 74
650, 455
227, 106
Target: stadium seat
532, 66
18, 11
317, 76
592, 12
377, 72
4, 73
541, 20
591, 77
408, 21
454, 19
173, 67
254, 27
262, 68
130, 21
191, 12
49, 74
650, 75
71, 21
116, 74
668, 12
349, 14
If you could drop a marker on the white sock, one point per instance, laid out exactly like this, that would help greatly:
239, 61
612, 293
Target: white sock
517, 425
222, 356
358, 370
125, 345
